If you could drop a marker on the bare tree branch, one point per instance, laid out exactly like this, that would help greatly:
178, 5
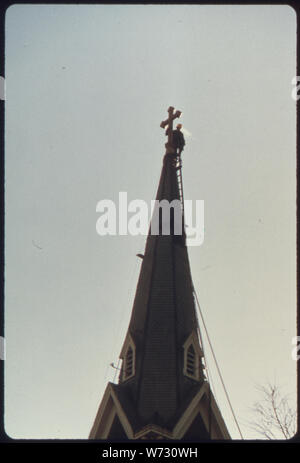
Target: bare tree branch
274, 417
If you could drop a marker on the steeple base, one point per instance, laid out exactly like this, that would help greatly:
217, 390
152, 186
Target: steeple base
200, 421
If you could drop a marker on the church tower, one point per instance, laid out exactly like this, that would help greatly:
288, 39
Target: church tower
163, 391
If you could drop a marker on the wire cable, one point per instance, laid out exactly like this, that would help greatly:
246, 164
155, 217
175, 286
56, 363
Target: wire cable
217, 365
206, 365
116, 338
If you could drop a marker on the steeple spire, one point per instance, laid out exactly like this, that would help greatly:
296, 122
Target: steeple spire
163, 392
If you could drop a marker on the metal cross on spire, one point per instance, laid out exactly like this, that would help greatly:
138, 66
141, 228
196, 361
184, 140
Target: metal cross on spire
169, 122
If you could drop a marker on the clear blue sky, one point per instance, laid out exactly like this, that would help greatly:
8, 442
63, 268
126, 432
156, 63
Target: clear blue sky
86, 89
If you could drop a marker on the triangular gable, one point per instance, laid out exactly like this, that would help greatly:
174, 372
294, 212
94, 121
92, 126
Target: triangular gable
110, 407
204, 404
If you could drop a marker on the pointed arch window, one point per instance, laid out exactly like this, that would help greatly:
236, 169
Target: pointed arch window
192, 364
128, 368
191, 361
128, 359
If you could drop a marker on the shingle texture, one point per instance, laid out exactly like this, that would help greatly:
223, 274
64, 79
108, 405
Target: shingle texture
163, 316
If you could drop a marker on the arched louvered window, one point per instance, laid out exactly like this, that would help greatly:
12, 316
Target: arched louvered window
128, 370
192, 358
191, 361
128, 358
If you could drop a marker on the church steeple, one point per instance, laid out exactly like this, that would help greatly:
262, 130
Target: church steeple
163, 392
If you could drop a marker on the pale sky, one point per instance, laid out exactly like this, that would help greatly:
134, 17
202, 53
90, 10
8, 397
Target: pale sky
86, 88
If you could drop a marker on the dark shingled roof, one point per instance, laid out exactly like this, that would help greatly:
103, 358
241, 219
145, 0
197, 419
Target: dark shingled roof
163, 317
